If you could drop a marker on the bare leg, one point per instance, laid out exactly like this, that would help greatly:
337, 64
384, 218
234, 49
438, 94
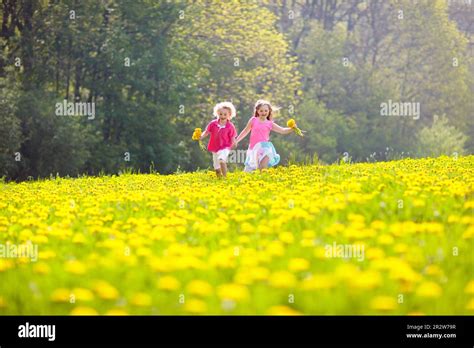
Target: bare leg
223, 168
264, 163
218, 173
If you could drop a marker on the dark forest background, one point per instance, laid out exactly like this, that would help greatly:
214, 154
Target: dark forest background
155, 69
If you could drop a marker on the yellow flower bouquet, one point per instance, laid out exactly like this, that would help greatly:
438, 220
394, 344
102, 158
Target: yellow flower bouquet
292, 124
197, 137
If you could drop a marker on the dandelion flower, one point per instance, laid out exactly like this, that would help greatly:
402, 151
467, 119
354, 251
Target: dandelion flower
286, 237
298, 265
199, 288
106, 291
429, 289
470, 305
233, 292
141, 300
116, 311
82, 294
75, 267
469, 289
282, 310
84, 311
61, 295
5, 265
383, 303
195, 306
291, 123
365, 280
197, 137
282, 279
41, 268
168, 283
318, 282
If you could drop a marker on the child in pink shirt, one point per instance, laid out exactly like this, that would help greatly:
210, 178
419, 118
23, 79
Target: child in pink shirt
261, 152
223, 133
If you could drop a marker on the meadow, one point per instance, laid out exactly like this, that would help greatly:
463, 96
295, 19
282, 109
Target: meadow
257, 243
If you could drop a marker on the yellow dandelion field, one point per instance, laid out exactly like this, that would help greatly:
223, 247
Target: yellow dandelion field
383, 238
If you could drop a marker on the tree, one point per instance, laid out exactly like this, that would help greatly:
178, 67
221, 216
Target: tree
355, 55
10, 132
441, 139
229, 51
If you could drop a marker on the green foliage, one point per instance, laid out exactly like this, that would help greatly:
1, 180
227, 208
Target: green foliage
53, 144
228, 51
441, 139
139, 62
400, 51
10, 131
322, 127
154, 70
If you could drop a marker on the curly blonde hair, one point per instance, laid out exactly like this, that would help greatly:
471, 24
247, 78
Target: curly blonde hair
225, 105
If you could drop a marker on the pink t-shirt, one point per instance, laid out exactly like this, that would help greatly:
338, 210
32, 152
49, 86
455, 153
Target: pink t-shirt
221, 136
260, 131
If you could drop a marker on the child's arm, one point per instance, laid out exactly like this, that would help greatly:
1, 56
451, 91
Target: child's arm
281, 130
244, 132
203, 135
233, 137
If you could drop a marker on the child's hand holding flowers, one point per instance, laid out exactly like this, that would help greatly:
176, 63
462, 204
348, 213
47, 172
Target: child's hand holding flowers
197, 137
292, 124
